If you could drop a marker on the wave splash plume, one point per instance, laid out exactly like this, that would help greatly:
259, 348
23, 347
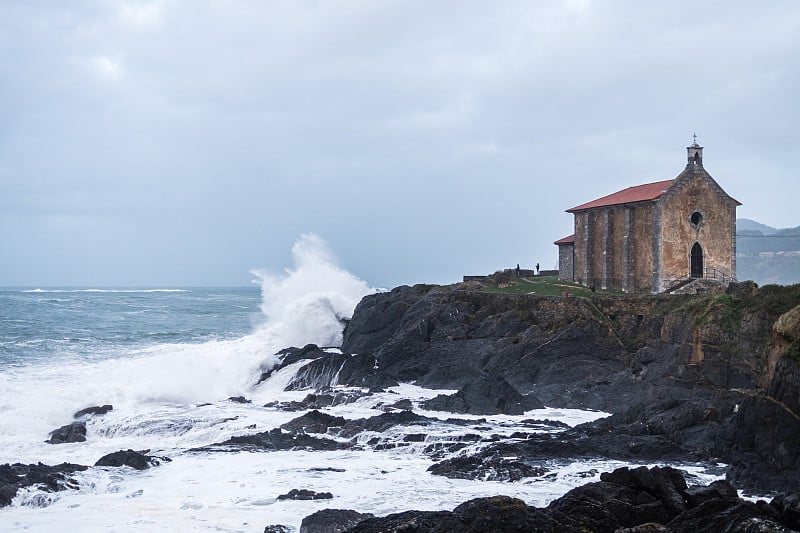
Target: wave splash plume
306, 304
310, 303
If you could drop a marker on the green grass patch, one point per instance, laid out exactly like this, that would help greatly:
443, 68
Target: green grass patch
543, 286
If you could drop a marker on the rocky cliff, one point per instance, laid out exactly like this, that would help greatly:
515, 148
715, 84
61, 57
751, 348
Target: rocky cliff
713, 376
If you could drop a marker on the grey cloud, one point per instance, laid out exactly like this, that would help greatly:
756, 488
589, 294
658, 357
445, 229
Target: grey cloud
423, 141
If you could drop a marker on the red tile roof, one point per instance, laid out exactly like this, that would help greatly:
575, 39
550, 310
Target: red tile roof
639, 193
566, 240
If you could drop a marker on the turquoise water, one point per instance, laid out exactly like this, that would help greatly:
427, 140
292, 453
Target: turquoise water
42, 326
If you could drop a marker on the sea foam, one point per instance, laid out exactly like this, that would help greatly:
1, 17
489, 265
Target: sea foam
306, 304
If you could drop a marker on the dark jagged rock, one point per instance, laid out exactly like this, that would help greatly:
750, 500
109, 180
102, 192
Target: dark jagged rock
382, 422
292, 355
332, 521
322, 399
583, 442
276, 439
710, 376
486, 395
491, 469
74, 432
465, 421
48, 478
314, 422
339, 369
96, 410
650, 527
379, 317
544, 424
292, 406
412, 521
763, 434
137, 460
443, 338
637, 500
404, 405
239, 399
277, 528
341, 397
787, 506
305, 494
718, 490
726, 516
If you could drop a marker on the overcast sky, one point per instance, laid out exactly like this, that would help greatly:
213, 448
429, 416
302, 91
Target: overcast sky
180, 143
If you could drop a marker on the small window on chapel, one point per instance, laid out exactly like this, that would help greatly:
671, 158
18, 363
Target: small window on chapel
696, 219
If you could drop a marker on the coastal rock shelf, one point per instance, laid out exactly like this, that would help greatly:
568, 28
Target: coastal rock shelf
623, 501
440, 401
714, 377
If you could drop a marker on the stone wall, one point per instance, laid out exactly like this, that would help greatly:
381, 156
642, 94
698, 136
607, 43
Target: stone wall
641, 264
566, 271
696, 192
614, 247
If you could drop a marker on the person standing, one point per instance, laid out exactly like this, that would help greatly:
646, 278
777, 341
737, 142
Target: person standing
537, 269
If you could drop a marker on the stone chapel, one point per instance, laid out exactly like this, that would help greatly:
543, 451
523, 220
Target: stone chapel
654, 237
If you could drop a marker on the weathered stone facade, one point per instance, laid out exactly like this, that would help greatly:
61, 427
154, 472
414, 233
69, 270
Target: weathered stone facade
649, 237
566, 256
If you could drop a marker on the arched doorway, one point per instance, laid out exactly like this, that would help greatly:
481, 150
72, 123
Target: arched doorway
696, 261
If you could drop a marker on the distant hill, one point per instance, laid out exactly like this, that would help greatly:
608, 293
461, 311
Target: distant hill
767, 255
788, 232
746, 225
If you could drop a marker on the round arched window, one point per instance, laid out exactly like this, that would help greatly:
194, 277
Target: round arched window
696, 219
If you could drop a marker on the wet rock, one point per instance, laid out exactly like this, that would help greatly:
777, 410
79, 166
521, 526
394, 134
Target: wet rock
276, 439
292, 355
239, 399
279, 529
718, 490
650, 527
287, 406
672, 367
382, 422
788, 508
627, 500
136, 460
96, 410
321, 400
304, 494
357, 370
496, 514
332, 521
404, 404
486, 395
725, 516
378, 317
47, 478
490, 469
666, 483
74, 432
314, 422
544, 424
317, 401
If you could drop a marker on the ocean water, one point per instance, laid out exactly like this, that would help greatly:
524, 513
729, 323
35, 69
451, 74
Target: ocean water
167, 359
